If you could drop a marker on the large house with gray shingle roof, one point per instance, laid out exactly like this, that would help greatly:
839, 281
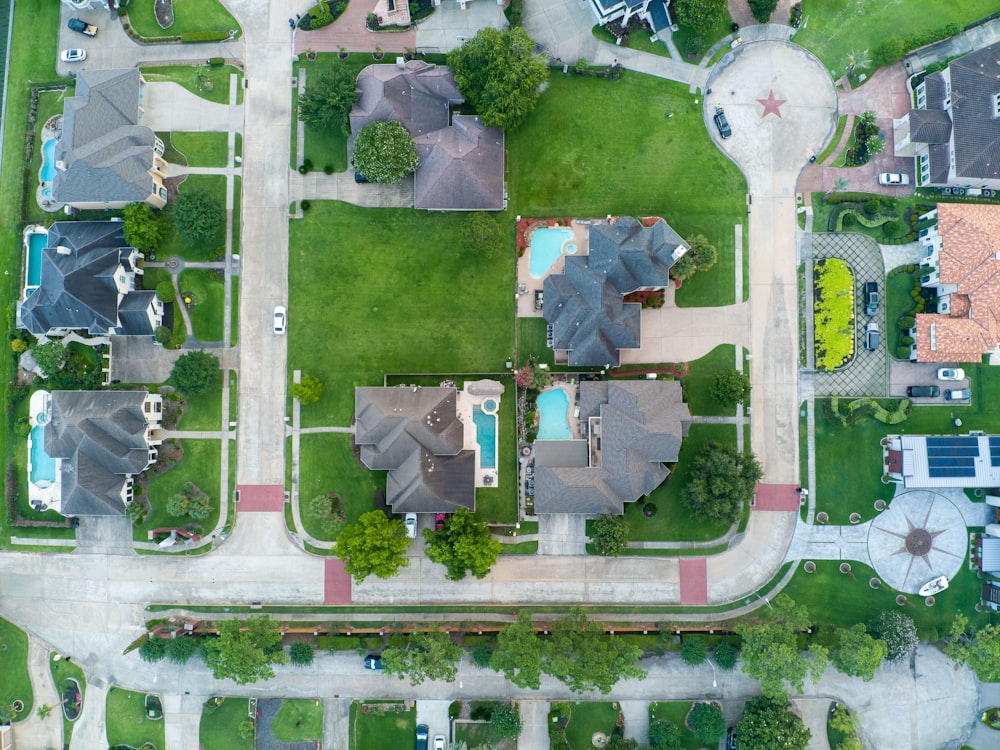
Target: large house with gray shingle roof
461, 160
88, 283
585, 303
653, 12
953, 134
106, 157
633, 429
415, 434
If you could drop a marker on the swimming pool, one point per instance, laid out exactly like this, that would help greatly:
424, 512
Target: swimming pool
48, 171
486, 436
546, 247
553, 412
33, 268
43, 466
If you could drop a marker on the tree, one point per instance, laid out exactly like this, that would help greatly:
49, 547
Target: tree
977, 648
165, 291
874, 144
857, 60
701, 256
197, 505
768, 723
693, 651
610, 535
144, 228
197, 216
701, 15
50, 357
664, 735
153, 650
194, 372
245, 652
328, 510
724, 655
762, 9
301, 654
731, 387
500, 73
328, 98
307, 390
373, 546
384, 152
519, 653
180, 650
163, 335
888, 51
771, 650
482, 655
583, 656
707, 721
505, 722
465, 545
722, 480
622, 743
484, 234
857, 653
899, 632
427, 656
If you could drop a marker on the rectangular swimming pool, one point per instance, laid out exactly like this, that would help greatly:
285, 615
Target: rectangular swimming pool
36, 243
43, 466
486, 436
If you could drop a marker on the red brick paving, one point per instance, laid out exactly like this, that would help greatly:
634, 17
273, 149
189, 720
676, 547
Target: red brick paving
261, 498
694, 580
349, 31
777, 497
336, 583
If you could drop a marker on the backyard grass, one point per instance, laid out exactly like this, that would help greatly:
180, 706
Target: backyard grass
299, 720
209, 292
200, 465
832, 29
588, 718
676, 712
370, 730
127, 723
531, 335
16, 682
204, 410
207, 81
326, 464
219, 729
189, 16
214, 185
661, 162
200, 149
49, 103
698, 382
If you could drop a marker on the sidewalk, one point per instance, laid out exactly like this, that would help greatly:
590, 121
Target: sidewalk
34, 732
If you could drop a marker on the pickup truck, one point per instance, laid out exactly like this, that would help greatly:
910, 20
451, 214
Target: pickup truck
75, 24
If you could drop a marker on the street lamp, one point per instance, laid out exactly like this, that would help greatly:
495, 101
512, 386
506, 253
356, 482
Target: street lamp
712, 665
764, 599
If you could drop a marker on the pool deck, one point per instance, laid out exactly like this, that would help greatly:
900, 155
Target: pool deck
526, 293
468, 399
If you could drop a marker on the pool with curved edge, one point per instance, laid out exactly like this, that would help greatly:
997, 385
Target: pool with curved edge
553, 414
546, 245
48, 169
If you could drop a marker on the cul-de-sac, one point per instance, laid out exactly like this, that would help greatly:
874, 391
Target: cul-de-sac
500, 375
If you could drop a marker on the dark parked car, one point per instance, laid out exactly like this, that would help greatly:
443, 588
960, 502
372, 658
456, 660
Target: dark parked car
871, 298
422, 736
360, 178
731, 739
722, 123
923, 391
374, 663
871, 337
75, 24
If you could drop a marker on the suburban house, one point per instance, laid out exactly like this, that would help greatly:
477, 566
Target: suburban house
416, 435
87, 282
962, 265
461, 160
654, 12
953, 134
94, 444
633, 428
937, 461
585, 303
90, 4
106, 157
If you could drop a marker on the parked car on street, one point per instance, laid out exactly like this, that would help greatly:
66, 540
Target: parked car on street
722, 123
374, 663
958, 394
73, 55
951, 373
871, 337
411, 525
871, 298
731, 739
923, 391
75, 24
893, 178
279, 319
439, 742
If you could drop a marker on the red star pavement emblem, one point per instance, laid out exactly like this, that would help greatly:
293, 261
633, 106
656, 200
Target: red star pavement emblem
771, 105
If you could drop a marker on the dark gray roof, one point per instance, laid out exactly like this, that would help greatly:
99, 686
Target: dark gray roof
939, 155
106, 151
100, 437
975, 81
461, 167
642, 424
584, 303
564, 453
418, 95
929, 126
936, 90
77, 289
415, 434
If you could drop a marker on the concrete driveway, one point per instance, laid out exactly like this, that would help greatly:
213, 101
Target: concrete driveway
904, 374
169, 106
449, 26
434, 713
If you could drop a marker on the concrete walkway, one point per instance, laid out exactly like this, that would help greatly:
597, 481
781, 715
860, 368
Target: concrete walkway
34, 731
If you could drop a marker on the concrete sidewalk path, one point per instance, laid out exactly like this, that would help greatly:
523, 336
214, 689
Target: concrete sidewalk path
35, 732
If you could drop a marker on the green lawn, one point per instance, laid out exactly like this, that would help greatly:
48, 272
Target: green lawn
299, 720
200, 465
637, 40
327, 465
49, 103
531, 333
373, 731
204, 411
214, 185
832, 29
16, 683
661, 162
207, 81
219, 729
676, 711
689, 40
698, 382
127, 723
209, 291
189, 16
588, 718
201, 149
841, 124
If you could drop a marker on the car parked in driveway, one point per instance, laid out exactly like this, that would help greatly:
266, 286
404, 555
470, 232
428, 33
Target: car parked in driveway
923, 391
958, 394
722, 123
893, 178
88, 29
439, 742
73, 55
411, 525
439, 519
423, 734
731, 739
871, 298
871, 337
951, 373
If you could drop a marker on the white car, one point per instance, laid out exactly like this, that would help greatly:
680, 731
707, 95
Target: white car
893, 178
439, 742
73, 55
411, 525
951, 373
280, 320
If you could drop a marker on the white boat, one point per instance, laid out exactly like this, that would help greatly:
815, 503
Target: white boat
934, 586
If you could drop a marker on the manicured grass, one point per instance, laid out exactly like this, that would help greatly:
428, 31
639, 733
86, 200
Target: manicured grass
686, 36
898, 303
673, 521
833, 313
831, 29
189, 16
204, 411
588, 718
219, 729
214, 185
499, 504
841, 124
531, 333
370, 730
49, 103
698, 382
201, 149
637, 40
661, 162
234, 307
207, 81
200, 465
127, 723
16, 683
675, 712
210, 292
61, 671
326, 465
299, 720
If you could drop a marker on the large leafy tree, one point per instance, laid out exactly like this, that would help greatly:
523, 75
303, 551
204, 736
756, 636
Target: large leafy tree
899, 632
144, 228
610, 535
328, 98
519, 653
427, 656
583, 656
771, 651
762, 9
307, 390
484, 234
768, 723
730, 387
706, 721
664, 735
194, 372
51, 357
384, 152
373, 546
197, 216
500, 74
463, 546
977, 648
700, 14
245, 652
722, 480
857, 653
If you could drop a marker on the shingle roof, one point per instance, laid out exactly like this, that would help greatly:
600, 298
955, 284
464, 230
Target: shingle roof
929, 126
461, 167
975, 81
936, 90
418, 95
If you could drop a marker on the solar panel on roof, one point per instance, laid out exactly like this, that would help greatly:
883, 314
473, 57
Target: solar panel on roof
939, 472
952, 441
950, 461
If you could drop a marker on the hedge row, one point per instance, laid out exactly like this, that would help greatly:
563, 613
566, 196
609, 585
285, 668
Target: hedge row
862, 407
870, 222
204, 36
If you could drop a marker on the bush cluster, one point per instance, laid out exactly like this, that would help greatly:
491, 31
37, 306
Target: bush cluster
834, 313
891, 49
322, 14
853, 411
204, 36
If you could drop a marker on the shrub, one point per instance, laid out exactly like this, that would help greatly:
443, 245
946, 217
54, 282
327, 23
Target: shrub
304, 204
481, 656
302, 169
664, 735
902, 352
18, 345
724, 655
153, 650
907, 322
833, 313
162, 335
762, 9
165, 291
215, 61
906, 341
888, 51
873, 206
505, 722
180, 650
204, 36
581, 65
693, 651
301, 654
707, 721
328, 169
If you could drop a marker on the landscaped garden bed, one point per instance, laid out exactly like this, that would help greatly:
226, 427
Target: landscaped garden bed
833, 313
577, 725
905, 299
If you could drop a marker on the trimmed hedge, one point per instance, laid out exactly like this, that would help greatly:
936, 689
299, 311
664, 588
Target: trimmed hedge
204, 36
870, 222
854, 410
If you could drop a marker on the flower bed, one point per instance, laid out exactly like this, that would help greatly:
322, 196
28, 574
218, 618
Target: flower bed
833, 313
